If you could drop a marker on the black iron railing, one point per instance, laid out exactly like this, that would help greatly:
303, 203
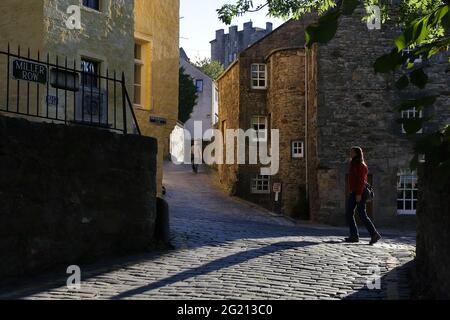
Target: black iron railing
59, 91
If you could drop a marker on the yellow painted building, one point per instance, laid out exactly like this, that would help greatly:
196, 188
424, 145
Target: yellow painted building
156, 35
139, 38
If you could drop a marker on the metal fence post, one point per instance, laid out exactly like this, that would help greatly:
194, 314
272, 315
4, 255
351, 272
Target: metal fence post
124, 103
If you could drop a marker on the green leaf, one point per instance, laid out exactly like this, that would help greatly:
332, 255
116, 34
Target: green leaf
445, 21
419, 78
349, 6
428, 144
324, 31
402, 83
412, 126
389, 62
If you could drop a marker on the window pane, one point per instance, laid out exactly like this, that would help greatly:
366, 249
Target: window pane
408, 205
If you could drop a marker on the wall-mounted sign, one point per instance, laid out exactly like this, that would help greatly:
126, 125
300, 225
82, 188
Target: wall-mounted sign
277, 191
29, 71
277, 187
65, 80
158, 121
52, 100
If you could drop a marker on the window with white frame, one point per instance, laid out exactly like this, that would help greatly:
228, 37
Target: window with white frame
259, 76
411, 114
407, 188
298, 149
259, 124
261, 184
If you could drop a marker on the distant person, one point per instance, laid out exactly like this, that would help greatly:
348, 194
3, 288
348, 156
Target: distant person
196, 157
358, 172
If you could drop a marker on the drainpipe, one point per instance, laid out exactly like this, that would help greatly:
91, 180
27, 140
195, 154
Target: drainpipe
306, 125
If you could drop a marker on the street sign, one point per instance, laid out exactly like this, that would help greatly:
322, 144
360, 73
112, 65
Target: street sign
277, 190
158, 120
29, 71
277, 187
52, 100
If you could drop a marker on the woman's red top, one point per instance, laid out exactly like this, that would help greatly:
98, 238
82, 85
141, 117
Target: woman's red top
357, 177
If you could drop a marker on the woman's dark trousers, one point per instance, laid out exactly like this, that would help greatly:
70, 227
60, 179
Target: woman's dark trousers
361, 208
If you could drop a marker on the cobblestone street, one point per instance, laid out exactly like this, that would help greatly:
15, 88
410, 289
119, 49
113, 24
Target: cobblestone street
228, 249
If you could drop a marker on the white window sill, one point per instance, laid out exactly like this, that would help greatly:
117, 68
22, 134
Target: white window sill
407, 212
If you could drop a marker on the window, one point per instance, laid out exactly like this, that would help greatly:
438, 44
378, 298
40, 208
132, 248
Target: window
216, 95
407, 192
411, 114
259, 76
138, 68
199, 85
259, 124
298, 149
93, 4
261, 184
90, 73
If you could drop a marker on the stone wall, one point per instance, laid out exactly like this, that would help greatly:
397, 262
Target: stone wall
229, 119
432, 274
70, 195
286, 107
355, 106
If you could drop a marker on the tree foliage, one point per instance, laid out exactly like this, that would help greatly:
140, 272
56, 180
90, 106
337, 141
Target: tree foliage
425, 33
187, 97
212, 69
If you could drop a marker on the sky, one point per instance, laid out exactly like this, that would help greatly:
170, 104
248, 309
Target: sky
199, 23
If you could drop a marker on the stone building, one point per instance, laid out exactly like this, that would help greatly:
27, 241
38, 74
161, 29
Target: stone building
226, 47
324, 100
268, 86
138, 38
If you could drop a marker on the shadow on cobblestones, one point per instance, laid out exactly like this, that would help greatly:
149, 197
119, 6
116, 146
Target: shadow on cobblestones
216, 265
394, 285
19, 288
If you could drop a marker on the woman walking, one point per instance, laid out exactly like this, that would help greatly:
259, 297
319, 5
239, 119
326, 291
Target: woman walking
358, 172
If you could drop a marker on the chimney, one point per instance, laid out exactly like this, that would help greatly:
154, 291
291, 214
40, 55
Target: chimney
233, 29
219, 33
248, 25
269, 26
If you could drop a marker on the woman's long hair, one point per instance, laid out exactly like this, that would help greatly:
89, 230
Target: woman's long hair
359, 155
